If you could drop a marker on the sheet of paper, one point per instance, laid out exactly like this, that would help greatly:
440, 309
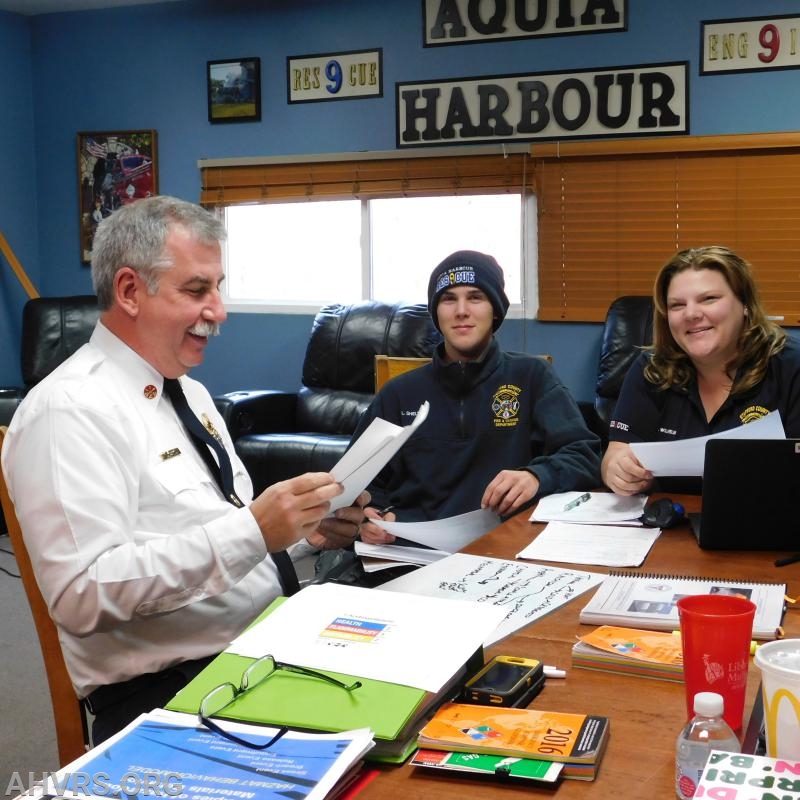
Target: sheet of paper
451, 534
369, 454
602, 508
395, 553
685, 457
604, 545
411, 640
522, 592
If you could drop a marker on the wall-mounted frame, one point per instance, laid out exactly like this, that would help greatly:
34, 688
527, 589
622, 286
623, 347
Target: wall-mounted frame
234, 90
114, 168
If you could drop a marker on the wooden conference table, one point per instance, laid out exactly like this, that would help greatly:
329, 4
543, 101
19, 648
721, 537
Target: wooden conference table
646, 715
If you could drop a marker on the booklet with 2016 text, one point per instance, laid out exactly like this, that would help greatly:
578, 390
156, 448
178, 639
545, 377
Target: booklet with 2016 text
517, 732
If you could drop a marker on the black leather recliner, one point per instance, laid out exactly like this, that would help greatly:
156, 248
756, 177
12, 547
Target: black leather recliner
279, 435
53, 328
628, 328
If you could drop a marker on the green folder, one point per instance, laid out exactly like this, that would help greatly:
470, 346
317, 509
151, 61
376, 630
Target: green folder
395, 713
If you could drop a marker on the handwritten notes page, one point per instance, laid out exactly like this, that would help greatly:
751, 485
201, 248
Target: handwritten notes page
525, 592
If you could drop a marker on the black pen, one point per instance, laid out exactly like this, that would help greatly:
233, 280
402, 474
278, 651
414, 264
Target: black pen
381, 513
782, 562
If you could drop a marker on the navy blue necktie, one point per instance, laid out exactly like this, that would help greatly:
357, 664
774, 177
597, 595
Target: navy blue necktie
222, 471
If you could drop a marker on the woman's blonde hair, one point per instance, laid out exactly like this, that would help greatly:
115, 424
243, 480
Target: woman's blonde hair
759, 340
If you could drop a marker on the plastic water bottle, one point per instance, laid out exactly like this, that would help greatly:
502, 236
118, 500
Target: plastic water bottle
706, 731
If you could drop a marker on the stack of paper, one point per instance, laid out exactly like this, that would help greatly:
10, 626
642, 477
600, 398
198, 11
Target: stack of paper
170, 755
605, 545
591, 528
590, 508
438, 537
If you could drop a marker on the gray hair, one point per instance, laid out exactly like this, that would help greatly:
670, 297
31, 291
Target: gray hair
136, 235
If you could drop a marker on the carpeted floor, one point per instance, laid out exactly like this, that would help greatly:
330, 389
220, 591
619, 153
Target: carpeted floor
27, 737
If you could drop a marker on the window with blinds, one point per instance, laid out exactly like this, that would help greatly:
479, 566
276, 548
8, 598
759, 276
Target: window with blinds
273, 179
608, 219
368, 225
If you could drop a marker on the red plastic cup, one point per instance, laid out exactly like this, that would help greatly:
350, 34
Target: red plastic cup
716, 631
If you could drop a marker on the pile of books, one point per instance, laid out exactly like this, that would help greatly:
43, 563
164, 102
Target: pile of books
630, 651
518, 738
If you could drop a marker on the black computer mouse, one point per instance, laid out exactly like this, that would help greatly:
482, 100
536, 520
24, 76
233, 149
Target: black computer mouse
663, 513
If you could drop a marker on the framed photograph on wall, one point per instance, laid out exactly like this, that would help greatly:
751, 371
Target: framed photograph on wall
114, 168
234, 90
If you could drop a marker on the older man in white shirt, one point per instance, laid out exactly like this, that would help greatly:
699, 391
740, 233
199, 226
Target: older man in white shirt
148, 569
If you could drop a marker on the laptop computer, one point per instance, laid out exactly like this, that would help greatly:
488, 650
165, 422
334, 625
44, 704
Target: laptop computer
751, 495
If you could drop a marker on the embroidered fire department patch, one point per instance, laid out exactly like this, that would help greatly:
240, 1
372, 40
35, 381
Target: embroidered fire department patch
505, 406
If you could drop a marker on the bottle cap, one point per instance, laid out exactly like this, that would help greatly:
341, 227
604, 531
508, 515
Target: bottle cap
709, 704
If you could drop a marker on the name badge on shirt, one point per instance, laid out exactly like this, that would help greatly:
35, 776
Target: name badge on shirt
167, 454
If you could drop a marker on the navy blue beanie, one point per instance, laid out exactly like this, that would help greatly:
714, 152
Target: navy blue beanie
469, 268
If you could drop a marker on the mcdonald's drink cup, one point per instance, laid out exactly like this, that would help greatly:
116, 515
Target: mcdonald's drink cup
779, 662
716, 631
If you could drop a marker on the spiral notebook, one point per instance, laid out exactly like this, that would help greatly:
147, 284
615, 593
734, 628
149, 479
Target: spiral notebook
647, 600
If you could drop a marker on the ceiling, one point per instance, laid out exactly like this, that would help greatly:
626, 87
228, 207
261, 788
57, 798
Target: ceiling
30, 7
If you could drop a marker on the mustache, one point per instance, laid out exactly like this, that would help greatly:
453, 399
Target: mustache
205, 329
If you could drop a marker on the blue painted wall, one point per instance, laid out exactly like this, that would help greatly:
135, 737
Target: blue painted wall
18, 191
144, 67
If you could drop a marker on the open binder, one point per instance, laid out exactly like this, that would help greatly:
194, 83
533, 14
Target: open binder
395, 713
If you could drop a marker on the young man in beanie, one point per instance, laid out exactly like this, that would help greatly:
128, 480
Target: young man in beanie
502, 429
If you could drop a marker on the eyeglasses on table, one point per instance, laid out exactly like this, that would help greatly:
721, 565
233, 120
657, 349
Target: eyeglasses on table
223, 695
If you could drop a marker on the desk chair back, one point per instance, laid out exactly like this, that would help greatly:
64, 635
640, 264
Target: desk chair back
387, 367
68, 713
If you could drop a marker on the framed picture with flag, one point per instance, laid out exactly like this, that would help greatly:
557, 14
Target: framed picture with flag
114, 168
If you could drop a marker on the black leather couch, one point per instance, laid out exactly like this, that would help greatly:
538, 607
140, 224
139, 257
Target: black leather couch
279, 435
628, 328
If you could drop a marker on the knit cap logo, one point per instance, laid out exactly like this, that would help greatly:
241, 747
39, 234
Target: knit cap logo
454, 277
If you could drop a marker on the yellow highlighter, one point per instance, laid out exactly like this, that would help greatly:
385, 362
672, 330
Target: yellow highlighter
754, 645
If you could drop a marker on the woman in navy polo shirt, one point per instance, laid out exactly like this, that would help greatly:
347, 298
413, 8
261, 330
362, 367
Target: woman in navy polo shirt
716, 362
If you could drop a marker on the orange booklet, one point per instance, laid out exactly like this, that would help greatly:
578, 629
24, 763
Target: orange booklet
655, 646
516, 732
648, 654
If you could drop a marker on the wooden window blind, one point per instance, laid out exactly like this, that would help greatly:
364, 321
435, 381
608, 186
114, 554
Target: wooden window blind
612, 213
229, 184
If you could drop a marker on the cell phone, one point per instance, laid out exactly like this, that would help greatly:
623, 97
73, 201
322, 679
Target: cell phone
504, 680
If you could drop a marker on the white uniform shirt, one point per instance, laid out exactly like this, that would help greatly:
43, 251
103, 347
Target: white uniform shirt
142, 562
